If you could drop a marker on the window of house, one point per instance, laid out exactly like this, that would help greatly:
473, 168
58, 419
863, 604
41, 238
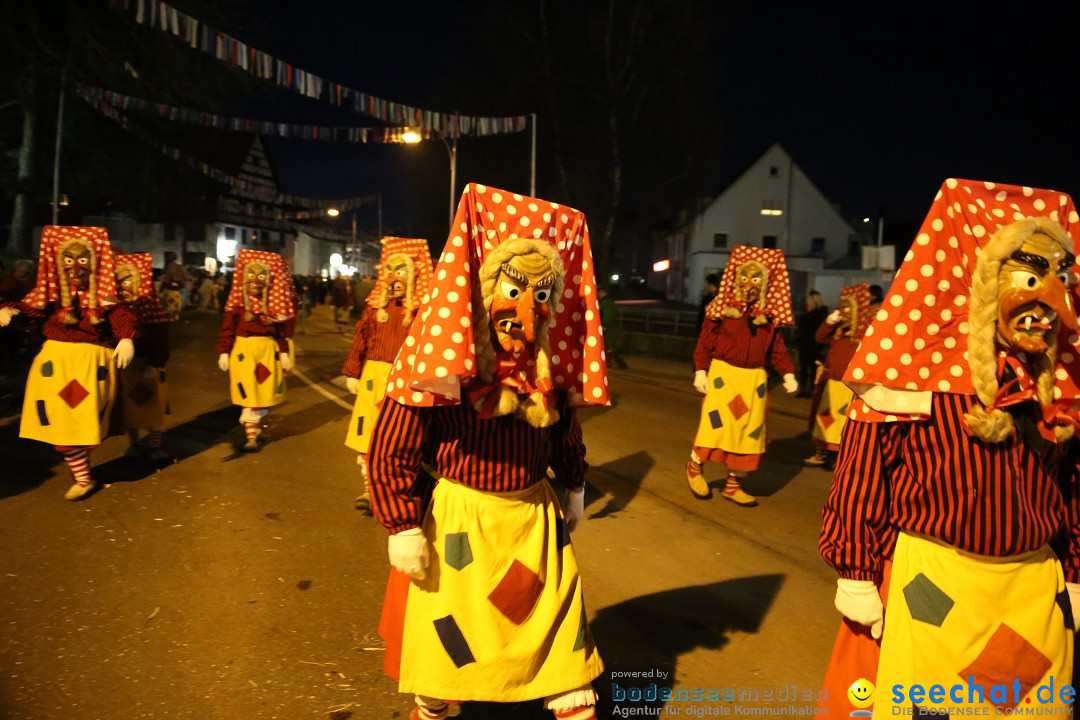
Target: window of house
774, 171
771, 207
230, 232
817, 245
768, 241
719, 241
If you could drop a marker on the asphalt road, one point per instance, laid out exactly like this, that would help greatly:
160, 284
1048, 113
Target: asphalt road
245, 586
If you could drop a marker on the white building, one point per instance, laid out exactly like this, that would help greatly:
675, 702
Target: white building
771, 204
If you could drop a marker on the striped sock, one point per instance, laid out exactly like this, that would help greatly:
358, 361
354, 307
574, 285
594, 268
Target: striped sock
431, 712
732, 485
694, 467
251, 430
79, 462
155, 438
582, 712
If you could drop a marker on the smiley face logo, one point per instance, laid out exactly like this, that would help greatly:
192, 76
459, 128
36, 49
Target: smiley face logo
861, 693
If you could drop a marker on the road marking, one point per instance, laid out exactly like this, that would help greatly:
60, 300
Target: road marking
319, 389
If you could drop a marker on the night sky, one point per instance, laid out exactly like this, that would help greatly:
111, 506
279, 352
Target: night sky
877, 104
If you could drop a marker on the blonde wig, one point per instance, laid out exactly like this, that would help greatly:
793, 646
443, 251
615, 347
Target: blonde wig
987, 422
65, 287
263, 309
410, 302
534, 409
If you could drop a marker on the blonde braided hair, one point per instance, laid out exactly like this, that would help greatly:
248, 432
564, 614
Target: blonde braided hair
989, 423
533, 409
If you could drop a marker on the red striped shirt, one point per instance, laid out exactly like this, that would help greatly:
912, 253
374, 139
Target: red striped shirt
233, 325
841, 350
497, 455
121, 324
932, 477
738, 342
375, 340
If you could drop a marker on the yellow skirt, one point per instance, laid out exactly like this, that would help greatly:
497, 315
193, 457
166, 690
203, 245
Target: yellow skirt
954, 615
831, 414
733, 413
172, 300
69, 393
256, 379
366, 408
143, 396
500, 615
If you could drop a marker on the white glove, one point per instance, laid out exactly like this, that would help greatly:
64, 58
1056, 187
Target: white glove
1074, 600
223, 362
125, 350
834, 317
574, 508
858, 601
701, 382
791, 385
408, 551
6, 314
352, 384
286, 362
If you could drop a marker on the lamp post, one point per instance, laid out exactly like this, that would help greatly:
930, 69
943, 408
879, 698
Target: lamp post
451, 148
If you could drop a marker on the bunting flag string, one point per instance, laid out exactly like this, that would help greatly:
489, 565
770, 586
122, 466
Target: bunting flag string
259, 127
239, 186
199, 36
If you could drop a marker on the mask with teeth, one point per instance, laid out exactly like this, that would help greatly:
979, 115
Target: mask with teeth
521, 305
751, 283
1033, 296
128, 282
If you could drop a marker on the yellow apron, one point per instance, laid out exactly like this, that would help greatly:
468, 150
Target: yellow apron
952, 614
499, 616
69, 393
733, 413
256, 379
143, 396
831, 414
366, 408
172, 301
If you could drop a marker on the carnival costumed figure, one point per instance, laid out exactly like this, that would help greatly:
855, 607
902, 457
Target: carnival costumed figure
173, 282
841, 332
72, 381
956, 467
253, 346
404, 278
739, 338
481, 398
143, 395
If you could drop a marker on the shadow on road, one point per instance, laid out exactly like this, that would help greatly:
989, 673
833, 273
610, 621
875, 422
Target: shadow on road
650, 633
782, 462
630, 470
24, 464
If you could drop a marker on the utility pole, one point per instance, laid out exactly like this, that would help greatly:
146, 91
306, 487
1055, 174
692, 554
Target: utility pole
56, 152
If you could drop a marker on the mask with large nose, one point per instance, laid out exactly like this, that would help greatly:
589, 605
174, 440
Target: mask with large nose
1033, 295
521, 305
75, 263
399, 271
127, 282
751, 282
256, 278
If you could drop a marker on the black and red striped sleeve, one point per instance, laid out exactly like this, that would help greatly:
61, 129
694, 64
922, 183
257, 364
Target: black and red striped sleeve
123, 322
567, 449
706, 344
227, 334
779, 357
855, 520
357, 353
394, 463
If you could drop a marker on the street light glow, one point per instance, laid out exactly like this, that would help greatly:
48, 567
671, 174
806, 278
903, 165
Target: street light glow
614, 278
333, 212
335, 260
410, 136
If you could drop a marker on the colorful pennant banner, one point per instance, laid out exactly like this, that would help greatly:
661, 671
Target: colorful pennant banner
258, 127
164, 17
239, 186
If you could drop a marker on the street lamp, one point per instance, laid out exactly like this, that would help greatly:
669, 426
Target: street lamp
333, 212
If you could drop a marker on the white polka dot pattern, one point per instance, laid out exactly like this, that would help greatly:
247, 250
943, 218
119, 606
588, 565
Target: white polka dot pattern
47, 288
281, 300
777, 293
925, 314
442, 360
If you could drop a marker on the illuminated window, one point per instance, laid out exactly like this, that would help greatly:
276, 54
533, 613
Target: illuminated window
771, 207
